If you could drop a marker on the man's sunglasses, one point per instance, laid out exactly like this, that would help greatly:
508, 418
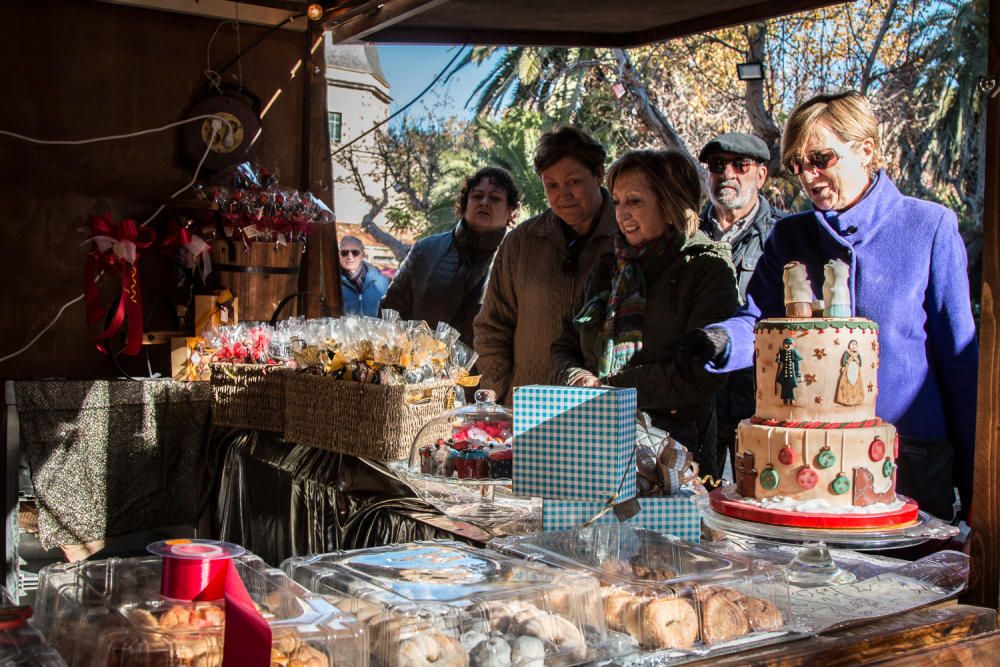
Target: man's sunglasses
351, 252
741, 165
822, 159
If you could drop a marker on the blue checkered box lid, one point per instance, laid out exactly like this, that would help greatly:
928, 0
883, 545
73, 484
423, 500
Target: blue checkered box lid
590, 406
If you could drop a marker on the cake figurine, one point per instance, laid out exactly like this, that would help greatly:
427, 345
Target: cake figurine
815, 454
788, 375
798, 290
836, 293
850, 386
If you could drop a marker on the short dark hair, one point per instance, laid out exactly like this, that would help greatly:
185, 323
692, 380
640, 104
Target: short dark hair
566, 141
500, 177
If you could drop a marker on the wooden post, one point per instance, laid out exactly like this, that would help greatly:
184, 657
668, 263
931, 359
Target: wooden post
321, 268
984, 586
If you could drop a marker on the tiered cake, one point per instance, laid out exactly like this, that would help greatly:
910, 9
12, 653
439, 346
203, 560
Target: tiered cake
814, 454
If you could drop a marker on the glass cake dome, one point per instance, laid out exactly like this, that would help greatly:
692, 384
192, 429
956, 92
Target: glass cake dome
470, 442
460, 458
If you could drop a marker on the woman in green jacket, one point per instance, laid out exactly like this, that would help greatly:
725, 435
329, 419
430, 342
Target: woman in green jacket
664, 278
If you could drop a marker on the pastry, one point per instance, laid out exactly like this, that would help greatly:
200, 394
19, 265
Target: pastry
669, 623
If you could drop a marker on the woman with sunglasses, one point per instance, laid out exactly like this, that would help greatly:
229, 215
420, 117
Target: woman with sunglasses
663, 278
544, 262
907, 273
444, 276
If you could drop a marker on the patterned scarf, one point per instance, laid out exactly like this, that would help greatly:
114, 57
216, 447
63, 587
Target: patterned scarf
621, 310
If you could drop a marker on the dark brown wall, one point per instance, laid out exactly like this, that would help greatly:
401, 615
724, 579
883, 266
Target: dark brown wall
77, 69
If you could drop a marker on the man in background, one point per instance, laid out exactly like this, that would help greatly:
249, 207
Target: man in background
739, 216
361, 284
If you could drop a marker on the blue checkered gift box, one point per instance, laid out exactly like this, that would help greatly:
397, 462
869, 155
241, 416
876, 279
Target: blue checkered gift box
575, 443
674, 515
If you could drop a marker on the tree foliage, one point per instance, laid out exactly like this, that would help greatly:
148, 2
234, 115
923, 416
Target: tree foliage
917, 61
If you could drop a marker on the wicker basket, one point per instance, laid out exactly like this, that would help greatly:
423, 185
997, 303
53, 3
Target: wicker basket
249, 396
371, 421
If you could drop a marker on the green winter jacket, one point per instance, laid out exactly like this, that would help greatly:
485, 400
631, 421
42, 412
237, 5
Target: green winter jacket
692, 284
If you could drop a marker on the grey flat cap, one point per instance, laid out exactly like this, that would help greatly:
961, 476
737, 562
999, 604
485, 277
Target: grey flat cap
738, 143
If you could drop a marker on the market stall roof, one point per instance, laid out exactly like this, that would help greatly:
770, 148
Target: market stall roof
533, 23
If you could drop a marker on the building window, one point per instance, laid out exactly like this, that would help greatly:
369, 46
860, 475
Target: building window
334, 123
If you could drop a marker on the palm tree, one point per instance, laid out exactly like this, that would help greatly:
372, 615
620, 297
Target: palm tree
507, 141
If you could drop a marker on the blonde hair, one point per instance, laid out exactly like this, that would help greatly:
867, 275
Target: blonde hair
848, 115
674, 179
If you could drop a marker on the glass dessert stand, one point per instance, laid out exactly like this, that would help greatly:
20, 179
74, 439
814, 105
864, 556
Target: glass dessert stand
488, 503
461, 463
813, 565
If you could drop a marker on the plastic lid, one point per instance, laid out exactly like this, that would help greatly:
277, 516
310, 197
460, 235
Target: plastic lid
473, 605
111, 613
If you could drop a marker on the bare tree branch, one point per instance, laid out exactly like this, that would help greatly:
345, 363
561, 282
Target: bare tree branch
761, 121
866, 73
648, 112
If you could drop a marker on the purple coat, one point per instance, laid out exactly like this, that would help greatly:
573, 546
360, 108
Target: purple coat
908, 274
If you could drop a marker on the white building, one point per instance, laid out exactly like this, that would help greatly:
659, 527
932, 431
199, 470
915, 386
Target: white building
357, 97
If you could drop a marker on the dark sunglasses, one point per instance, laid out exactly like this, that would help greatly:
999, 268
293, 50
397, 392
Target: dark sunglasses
572, 260
351, 251
741, 165
822, 159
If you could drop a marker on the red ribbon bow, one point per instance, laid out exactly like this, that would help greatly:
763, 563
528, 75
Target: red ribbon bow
193, 248
116, 248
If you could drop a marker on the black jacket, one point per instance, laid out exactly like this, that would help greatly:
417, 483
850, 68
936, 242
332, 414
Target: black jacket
748, 245
686, 288
444, 277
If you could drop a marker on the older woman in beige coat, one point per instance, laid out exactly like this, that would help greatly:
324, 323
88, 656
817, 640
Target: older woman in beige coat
543, 263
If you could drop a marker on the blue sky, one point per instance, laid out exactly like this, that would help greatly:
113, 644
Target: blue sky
410, 68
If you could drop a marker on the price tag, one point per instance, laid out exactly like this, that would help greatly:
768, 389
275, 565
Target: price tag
628, 509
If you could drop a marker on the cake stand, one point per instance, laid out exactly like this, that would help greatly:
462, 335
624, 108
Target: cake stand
472, 500
813, 565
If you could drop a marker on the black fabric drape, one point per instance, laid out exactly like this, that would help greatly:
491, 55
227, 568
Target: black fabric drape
281, 500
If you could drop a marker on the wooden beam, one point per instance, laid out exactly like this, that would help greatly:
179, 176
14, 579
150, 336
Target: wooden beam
374, 29
984, 586
384, 16
322, 270
749, 14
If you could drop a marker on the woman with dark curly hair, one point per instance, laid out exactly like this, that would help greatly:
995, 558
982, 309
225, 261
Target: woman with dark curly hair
444, 276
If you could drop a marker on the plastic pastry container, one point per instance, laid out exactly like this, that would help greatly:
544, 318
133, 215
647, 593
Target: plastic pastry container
663, 593
449, 604
112, 613
621, 553
20, 642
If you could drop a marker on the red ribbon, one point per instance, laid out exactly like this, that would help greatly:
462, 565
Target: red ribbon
246, 635
193, 248
116, 248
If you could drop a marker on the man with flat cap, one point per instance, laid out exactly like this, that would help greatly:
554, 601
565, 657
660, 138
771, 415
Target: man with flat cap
740, 216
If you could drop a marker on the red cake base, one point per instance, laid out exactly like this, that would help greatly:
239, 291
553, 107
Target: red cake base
723, 504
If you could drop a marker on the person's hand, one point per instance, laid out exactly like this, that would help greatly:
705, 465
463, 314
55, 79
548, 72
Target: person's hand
585, 380
696, 348
700, 346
